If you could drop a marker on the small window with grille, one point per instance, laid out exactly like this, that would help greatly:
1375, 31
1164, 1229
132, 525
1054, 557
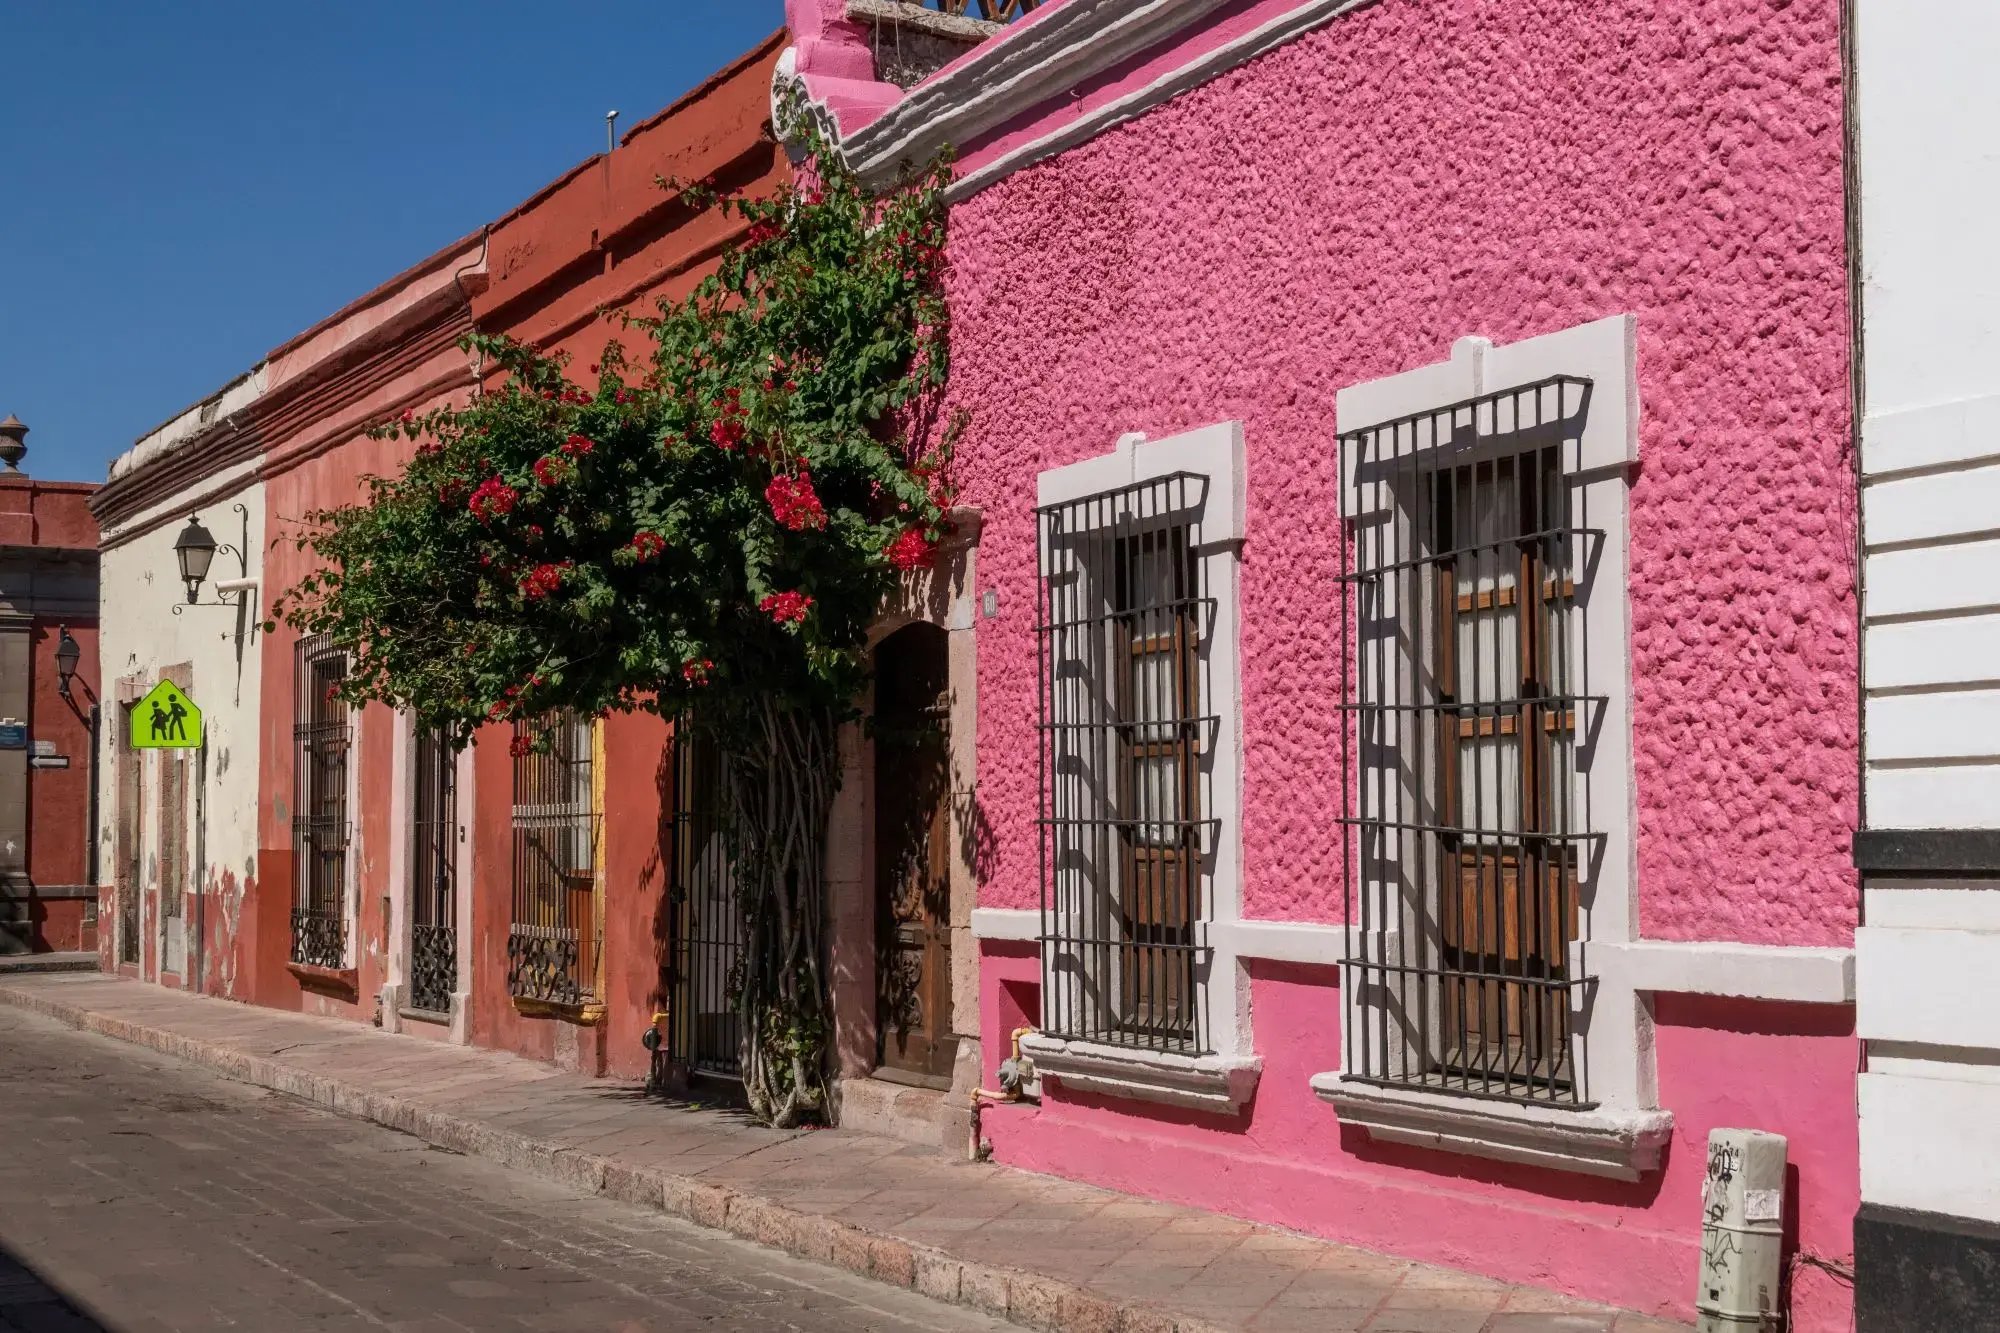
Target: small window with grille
554, 940
320, 828
1125, 615
1470, 688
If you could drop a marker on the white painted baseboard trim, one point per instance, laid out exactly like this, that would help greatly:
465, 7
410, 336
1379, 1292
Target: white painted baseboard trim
1006, 923
1738, 971
1799, 975
1621, 1145
1283, 941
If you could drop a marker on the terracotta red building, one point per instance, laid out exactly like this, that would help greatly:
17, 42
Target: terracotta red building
48, 707
378, 876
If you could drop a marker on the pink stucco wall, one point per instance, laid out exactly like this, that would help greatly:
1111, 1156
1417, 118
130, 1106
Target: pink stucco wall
1344, 208
1289, 1162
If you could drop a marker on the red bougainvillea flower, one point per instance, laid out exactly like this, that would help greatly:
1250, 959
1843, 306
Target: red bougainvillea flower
493, 498
786, 608
576, 446
911, 550
794, 503
646, 545
541, 581
332, 693
520, 745
726, 432
696, 673
550, 470
496, 712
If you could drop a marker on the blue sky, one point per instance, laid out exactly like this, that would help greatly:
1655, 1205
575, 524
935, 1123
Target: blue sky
188, 184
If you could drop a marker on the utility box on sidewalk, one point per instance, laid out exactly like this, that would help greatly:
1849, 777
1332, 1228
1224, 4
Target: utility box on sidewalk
1742, 1233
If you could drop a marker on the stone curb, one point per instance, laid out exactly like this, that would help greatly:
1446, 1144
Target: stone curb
1030, 1299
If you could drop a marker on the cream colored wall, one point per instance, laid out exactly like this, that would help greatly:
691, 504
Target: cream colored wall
139, 592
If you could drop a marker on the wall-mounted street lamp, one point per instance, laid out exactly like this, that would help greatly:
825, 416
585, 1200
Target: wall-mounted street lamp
196, 549
68, 654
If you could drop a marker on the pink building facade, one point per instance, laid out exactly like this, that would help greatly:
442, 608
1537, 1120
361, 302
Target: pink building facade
1415, 690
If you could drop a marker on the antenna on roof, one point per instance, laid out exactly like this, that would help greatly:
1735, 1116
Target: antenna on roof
610, 131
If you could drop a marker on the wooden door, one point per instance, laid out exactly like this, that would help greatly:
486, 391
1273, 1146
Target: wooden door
913, 854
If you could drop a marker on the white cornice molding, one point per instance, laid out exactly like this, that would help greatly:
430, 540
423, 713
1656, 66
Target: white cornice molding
1203, 68
1026, 67
1022, 68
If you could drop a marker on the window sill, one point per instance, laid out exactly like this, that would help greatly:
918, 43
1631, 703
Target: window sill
1215, 1083
1619, 1145
587, 1013
342, 983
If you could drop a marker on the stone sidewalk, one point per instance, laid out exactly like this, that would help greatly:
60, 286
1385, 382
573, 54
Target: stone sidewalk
1042, 1252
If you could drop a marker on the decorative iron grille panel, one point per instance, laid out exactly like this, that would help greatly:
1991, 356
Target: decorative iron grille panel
705, 1029
1126, 619
320, 744
434, 874
1469, 691
553, 943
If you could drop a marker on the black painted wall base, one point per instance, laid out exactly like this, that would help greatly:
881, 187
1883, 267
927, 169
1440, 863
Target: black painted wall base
1924, 1272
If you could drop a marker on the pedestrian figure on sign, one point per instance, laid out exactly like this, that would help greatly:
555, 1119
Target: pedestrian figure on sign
158, 721
177, 719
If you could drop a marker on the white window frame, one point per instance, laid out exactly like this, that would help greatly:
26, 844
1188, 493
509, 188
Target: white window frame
1623, 1134
1223, 1080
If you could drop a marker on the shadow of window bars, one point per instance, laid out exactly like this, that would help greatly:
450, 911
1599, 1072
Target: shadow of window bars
1124, 630
1467, 711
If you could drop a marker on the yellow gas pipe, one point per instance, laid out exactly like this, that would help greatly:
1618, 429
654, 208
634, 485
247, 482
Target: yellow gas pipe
1000, 1096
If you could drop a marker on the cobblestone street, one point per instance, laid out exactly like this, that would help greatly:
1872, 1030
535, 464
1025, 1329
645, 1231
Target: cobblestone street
154, 1196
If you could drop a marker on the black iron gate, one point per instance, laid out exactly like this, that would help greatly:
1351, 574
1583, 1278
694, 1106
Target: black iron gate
434, 874
705, 1031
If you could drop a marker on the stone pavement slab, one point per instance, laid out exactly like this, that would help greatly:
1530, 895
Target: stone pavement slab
1038, 1251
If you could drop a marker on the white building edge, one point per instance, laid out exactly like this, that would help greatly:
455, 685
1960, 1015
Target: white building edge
1925, 104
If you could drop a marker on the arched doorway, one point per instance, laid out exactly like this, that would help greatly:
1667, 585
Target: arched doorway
913, 855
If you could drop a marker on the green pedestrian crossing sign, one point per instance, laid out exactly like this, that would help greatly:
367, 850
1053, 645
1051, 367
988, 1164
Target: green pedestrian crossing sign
166, 719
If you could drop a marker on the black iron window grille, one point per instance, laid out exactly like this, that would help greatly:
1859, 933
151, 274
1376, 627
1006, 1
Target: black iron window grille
320, 745
1470, 695
1126, 621
705, 1029
433, 872
554, 940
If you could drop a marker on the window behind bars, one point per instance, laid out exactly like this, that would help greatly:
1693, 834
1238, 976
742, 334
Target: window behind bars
1124, 620
554, 941
320, 745
1470, 690
705, 1030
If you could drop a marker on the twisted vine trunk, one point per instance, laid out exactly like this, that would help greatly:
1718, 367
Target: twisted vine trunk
780, 773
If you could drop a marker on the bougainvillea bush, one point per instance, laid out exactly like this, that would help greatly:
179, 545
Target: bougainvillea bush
706, 536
